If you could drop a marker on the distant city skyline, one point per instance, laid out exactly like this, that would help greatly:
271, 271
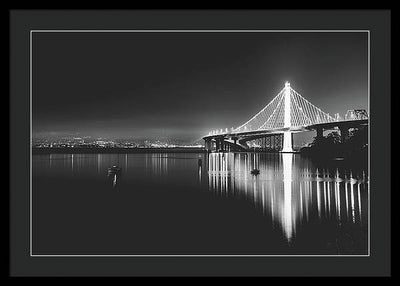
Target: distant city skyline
182, 85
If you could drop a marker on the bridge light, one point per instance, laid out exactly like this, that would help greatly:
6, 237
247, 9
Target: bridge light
287, 84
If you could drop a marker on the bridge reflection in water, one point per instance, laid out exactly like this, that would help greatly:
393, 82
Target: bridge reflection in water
289, 189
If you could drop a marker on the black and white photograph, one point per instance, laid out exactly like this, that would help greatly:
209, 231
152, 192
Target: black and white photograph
200, 143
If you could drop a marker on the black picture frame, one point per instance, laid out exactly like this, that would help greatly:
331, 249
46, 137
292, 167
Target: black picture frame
376, 21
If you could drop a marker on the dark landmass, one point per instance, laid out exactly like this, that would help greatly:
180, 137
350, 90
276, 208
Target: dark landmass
64, 150
352, 152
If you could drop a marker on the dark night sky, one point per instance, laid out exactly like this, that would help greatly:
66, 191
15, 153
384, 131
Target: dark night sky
135, 85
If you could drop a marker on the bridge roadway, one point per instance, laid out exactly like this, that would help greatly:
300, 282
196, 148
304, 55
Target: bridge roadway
240, 138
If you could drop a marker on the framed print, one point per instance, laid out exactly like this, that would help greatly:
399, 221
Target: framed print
159, 143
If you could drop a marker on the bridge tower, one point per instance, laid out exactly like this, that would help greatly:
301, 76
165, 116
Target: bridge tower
287, 135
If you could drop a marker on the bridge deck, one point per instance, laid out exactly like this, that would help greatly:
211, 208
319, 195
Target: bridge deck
261, 133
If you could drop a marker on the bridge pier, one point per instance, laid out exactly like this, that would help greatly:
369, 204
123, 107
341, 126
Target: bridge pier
220, 144
208, 145
287, 142
269, 142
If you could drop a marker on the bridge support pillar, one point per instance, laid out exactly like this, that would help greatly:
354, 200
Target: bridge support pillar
220, 145
287, 142
207, 144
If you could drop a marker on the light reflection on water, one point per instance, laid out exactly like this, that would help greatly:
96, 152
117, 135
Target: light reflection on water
289, 188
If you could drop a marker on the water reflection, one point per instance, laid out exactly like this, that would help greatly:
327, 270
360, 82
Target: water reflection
159, 164
113, 174
310, 209
200, 169
289, 189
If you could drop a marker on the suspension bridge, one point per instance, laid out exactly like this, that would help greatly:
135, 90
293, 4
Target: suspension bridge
274, 125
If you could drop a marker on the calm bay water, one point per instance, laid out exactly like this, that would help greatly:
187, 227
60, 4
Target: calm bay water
197, 204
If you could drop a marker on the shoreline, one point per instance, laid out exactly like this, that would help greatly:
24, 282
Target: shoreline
38, 151
354, 161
